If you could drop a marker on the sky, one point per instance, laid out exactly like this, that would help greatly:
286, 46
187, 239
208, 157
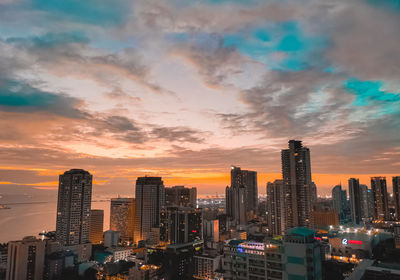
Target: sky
185, 89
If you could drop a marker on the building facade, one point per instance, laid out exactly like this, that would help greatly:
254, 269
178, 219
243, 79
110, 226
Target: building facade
355, 201
301, 192
180, 196
122, 215
396, 196
179, 225
339, 199
26, 259
206, 266
276, 207
302, 257
365, 194
96, 226
242, 195
73, 208
381, 203
149, 199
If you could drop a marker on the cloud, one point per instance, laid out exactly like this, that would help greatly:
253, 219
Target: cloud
178, 134
100, 12
20, 97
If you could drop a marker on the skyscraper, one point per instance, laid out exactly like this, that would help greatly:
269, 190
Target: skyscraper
122, 215
235, 204
96, 226
26, 259
355, 201
365, 206
296, 172
242, 196
180, 225
149, 199
73, 208
247, 179
381, 204
276, 212
396, 195
339, 198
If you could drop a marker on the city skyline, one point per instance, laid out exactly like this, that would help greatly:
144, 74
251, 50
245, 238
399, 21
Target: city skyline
185, 90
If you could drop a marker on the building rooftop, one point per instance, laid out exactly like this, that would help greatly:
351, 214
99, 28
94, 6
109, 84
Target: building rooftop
301, 231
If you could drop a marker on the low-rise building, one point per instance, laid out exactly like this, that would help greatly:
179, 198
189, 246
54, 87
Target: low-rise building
207, 265
120, 253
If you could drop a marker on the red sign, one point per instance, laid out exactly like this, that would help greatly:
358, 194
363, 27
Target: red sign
358, 242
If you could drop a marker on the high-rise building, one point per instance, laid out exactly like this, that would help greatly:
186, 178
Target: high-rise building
180, 196
180, 225
26, 259
296, 172
339, 199
381, 204
193, 197
235, 204
96, 226
242, 196
366, 214
73, 208
149, 199
276, 212
396, 195
355, 201
122, 215
247, 179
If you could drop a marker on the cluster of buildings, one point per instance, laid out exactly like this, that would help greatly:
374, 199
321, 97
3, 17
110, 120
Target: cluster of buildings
167, 233
366, 205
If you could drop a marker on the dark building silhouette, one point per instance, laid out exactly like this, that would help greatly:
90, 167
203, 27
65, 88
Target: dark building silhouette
381, 204
339, 199
396, 195
301, 191
276, 207
242, 195
180, 196
180, 224
355, 201
149, 199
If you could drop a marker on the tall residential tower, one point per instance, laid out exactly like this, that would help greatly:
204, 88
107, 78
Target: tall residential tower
73, 208
242, 196
355, 201
149, 199
396, 195
301, 191
381, 203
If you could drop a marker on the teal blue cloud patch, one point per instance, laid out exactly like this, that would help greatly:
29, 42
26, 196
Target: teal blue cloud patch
50, 40
98, 12
370, 93
281, 46
18, 96
386, 4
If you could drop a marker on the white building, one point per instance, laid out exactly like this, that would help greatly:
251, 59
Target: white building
26, 259
120, 253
